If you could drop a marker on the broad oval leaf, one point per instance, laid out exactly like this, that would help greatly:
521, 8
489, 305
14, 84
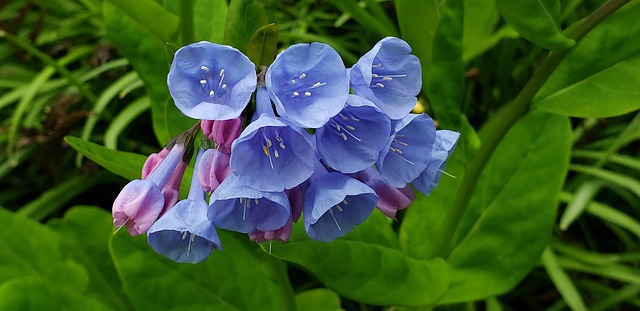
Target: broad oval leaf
366, 265
263, 45
536, 20
220, 283
600, 76
318, 299
510, 217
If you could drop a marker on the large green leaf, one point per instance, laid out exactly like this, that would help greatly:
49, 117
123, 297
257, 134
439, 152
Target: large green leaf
319, 299
238, 278
125, 164
418, 21
480, 19
243, 19
600, 76
209, 17
151, 16
366, 265
536, 20
28, 248
87, 231
150, 57
510, 217
35, 294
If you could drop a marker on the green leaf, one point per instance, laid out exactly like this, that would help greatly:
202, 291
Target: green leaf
480, 20
125, 164
600, 76
147, 55
418, 21
319, 299
209, 17
152, 16
510, 217
29, 249
381, 26
562, 281
35, 293
87, 231
263, 46
366, 265
243, 19
237, 278
536, 20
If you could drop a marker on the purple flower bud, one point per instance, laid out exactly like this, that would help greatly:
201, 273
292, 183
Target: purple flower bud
212, 169
210, 81
281, 235
224, 132
389, 76
171, 190
391, 199
137, 206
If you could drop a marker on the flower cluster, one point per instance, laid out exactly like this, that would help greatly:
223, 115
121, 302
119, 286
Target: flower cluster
365, 149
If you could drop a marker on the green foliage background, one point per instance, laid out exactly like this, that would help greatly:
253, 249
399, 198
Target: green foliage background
542, 215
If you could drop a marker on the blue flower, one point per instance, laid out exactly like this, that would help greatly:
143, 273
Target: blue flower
352, 140
184, 233
389, 76
443, 147
308, 84
334, 204
211, 81
270, 155
408, 150
237, 207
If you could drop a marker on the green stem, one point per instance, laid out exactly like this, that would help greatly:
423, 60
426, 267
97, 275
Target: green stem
286, 291
511, 114
186, 21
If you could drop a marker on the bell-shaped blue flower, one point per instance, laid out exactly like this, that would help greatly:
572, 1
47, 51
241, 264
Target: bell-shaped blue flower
237, 207
270, 155
334, 204
308, 84
408, 150
211, 81
389, 76
351, 141
443, 147
184, 233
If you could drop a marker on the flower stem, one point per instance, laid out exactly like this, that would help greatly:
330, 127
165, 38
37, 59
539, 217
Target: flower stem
186, 21
507, 118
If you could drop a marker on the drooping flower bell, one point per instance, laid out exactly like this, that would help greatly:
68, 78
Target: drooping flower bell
352, 140
211, 81
408, 150
185, 233
391, 199
270, 155
212, 169
282, 234
389, 76
237, 207
443, 147
335, 203
308, 84
141, 202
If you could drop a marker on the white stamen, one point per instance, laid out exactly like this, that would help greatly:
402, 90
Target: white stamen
205, 68
443, 172
351, 128
339, 208
211, 93
344, 136
338, 127
293, 82
343, 117
375, 75
275, 153
269, 144
256, 200
380, 85
355, 119
401, 143
282, 145
122, 225
344, 201
203, 82
387, 79
184, 235
334, 219
378, 65
191, 239
295, 94
318, 84
278, 138
303, 75
224, 86
222, 72
307, 94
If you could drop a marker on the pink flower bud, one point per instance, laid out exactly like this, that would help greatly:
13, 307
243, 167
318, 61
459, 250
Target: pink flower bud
138, 206
207, 128
391, 199
212, 169
224, 132
171, 190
